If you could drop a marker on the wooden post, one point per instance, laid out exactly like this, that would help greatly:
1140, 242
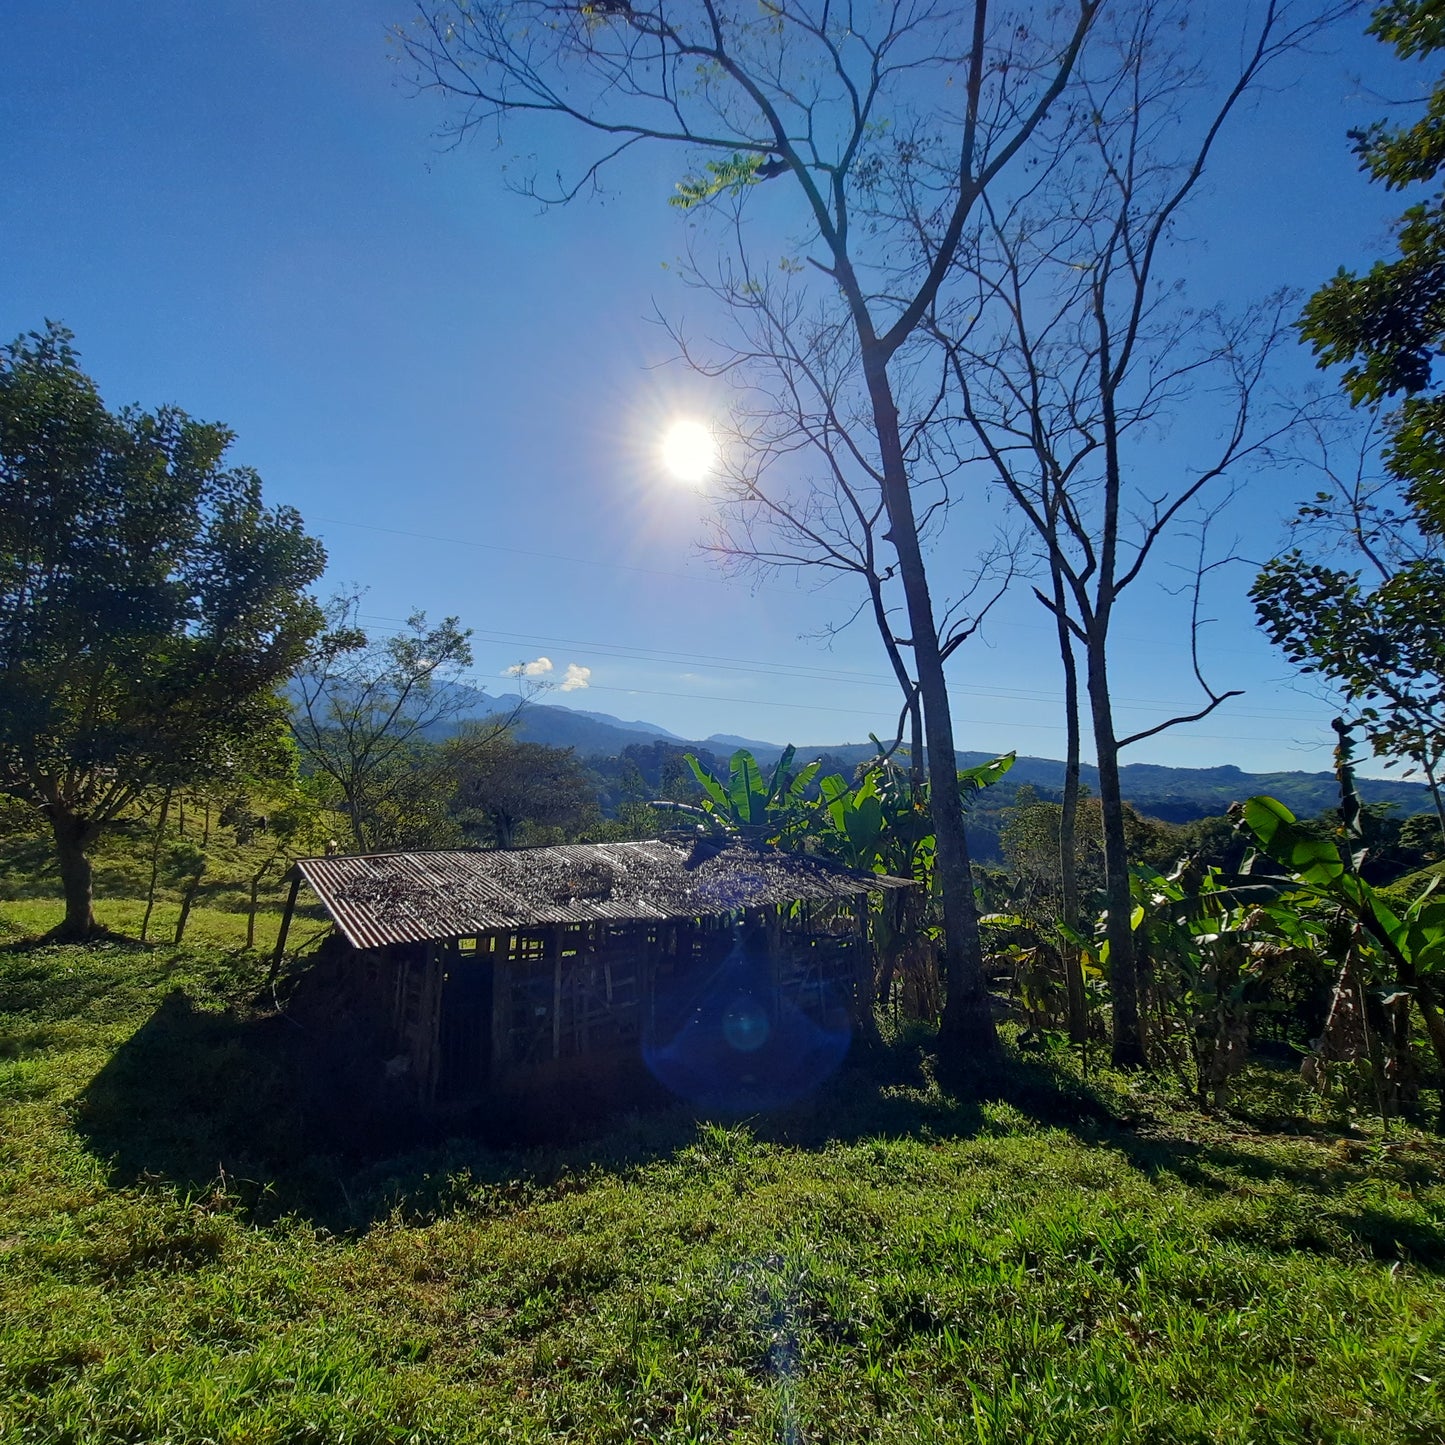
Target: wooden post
430, 1027
502, 979
557, 992
862, 963
285, 926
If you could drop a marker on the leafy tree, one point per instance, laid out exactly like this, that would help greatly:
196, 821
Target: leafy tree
854, 119
506, 789
1374, 631
1387, 327
1389, 959
1383, 647
149, 605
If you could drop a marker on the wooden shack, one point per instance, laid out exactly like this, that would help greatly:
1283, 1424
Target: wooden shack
486, 973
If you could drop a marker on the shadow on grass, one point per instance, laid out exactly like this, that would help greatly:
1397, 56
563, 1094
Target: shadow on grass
249, 1101
236, 1097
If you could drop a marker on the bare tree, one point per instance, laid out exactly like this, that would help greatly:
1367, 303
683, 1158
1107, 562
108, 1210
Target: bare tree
368, 715
1074, 350
857, 106
799, 489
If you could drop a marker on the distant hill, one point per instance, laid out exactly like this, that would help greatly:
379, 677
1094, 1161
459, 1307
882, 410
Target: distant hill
730, 742
1177, 795
592, 734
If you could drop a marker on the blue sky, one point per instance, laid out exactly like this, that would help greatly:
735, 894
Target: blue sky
239, 207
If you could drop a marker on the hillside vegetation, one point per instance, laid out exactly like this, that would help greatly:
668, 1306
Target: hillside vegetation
188, 1251
1174, 794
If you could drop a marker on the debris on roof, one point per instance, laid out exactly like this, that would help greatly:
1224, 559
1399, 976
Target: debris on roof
381, 898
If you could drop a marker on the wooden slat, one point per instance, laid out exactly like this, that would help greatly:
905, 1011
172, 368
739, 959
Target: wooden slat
383, 898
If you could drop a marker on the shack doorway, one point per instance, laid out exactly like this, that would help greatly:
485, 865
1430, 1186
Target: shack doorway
465, 1025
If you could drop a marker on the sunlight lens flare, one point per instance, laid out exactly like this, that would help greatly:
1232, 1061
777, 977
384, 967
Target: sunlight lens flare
689, 451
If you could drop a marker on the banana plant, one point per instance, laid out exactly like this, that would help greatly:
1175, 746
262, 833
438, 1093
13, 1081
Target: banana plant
751, 806
1213, 944
1401, 953
882, 824
1395, 957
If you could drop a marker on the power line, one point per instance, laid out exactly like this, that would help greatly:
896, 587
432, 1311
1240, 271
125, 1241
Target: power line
805, 672
711, 577
860, 712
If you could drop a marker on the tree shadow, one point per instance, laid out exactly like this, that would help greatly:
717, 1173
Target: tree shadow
248, 1103
236, 1099
57, 937
285, 1121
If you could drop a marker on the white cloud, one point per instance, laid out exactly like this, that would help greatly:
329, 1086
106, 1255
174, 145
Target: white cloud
576, 677
538, 667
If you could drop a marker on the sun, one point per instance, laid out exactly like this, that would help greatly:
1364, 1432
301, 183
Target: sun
689, 451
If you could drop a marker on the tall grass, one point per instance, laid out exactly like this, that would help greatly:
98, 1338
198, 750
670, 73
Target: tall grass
191, 1251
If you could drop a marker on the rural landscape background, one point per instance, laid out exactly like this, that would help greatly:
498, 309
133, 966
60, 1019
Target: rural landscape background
1040, 407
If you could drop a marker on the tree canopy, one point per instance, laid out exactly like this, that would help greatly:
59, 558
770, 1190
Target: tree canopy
369, 717
1374, 632
1387, 326
149, 603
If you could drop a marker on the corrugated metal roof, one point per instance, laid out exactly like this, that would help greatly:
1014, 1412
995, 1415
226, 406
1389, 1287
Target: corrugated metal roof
382, 898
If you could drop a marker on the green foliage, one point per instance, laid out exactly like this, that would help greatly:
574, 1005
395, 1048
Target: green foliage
1385, 649
1388, 959
1030, 841
764, 809
365, 716
1214, 944
508, 792
149, 603
1387, 326
889, 1265
882, 823
1318, 869
1312, 859
723, 177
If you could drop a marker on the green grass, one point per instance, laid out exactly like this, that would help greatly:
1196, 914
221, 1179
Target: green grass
30, 901
189, 1253
30, 895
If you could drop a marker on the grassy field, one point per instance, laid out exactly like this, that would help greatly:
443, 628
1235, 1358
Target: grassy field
188, 1254
29, 887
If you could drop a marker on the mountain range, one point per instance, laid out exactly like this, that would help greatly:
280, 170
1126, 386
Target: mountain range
1176, 795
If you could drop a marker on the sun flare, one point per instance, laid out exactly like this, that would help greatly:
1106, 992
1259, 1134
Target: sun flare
689, 451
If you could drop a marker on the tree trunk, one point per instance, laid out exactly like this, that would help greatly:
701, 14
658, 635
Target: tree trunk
251, 909
916, 773
74, 836
354, 813
967, 1016
1123, 971
145, 922
1439, 802
1434, 1026
1069, 823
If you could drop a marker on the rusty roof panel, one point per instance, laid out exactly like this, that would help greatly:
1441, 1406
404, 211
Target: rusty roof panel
382, 898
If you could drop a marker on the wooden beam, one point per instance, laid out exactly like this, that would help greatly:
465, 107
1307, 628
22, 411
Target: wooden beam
285, 926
